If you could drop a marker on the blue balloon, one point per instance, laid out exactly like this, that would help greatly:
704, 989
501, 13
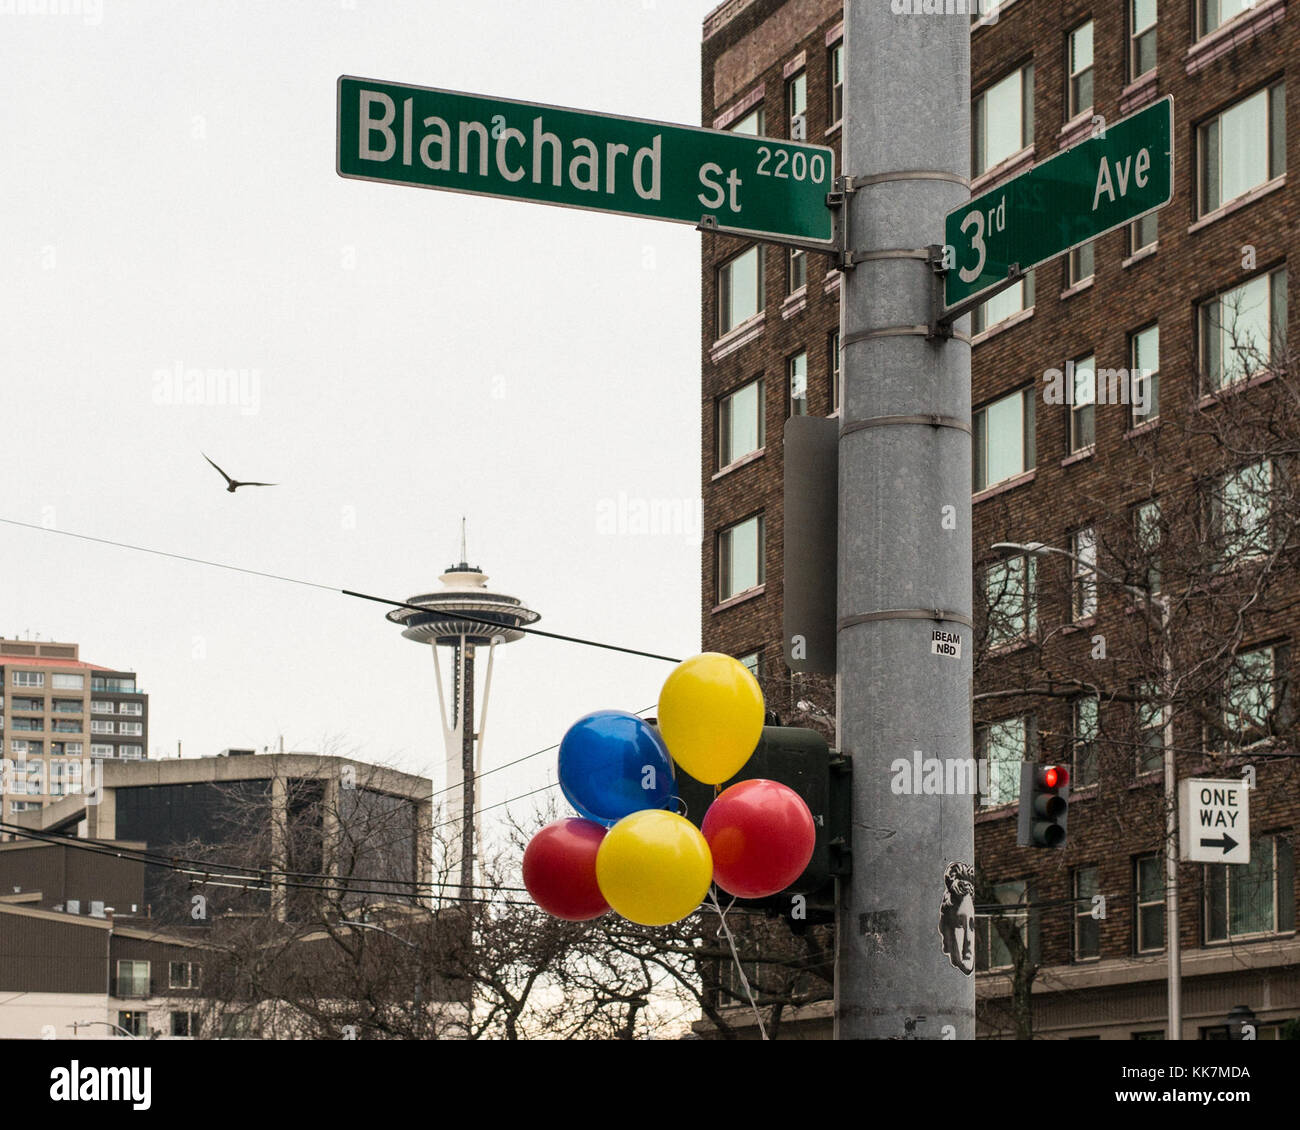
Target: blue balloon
613, 764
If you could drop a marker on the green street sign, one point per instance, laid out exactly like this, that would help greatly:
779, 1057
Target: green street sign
459, 142
1109, 180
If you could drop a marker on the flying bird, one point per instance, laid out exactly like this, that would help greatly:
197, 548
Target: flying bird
234, 486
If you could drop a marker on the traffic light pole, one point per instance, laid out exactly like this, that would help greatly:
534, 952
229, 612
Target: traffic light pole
904, 525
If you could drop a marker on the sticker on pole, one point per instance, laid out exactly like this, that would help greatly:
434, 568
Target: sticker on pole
1214, 821
945, 643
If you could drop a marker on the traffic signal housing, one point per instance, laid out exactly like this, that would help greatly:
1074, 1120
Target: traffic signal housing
803, 760
1044, 805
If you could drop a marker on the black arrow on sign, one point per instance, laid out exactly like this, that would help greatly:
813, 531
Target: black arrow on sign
1227, 843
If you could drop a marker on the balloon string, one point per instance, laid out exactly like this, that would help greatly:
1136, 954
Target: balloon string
744, 981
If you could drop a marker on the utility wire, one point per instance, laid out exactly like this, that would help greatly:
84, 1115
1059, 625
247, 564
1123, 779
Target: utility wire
332, 588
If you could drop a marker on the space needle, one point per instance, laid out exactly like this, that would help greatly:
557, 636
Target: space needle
463, 616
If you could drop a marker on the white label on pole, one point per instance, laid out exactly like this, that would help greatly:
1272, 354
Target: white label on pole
945, 643
1214, 821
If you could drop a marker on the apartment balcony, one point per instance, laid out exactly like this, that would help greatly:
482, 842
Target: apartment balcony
132, 988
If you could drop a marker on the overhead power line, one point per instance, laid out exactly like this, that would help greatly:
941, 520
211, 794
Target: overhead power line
459, 615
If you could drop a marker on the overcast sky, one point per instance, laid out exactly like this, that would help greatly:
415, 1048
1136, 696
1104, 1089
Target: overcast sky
170, 204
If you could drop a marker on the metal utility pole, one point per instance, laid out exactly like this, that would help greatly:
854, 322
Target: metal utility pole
467, 812
904, 523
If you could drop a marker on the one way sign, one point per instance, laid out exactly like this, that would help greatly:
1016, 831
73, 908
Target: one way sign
1214, 821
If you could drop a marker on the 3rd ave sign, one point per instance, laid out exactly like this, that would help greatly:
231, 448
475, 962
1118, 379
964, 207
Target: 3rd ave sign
1094, 187
457, 142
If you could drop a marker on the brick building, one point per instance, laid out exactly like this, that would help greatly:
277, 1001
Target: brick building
1147, 487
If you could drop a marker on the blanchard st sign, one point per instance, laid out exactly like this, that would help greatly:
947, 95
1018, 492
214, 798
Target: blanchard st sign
458, 142
1113, 178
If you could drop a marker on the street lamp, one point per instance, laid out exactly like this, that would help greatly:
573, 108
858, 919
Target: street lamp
106, 1023
1174, 979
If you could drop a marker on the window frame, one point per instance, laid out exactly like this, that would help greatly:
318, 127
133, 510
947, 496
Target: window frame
1027, 587
797, 82
725, 294
1136, 378
1083, 415
835, 95
992, 937
836, 372
1074, 264
1135, 34
1083, 915
1213, 325
1075, 76
980, 164
1139, 904
800, 256
725, 415
1274, 157
1227, 873
721, 559
1084, 748
998, 786
791, 364
1083, 573
979, 438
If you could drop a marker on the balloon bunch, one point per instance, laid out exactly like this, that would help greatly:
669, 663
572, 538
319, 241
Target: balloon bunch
628, 851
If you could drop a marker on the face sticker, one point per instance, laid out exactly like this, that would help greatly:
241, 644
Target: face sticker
957, 916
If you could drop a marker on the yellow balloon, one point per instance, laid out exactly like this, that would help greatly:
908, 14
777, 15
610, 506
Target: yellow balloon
654, 867
711, 716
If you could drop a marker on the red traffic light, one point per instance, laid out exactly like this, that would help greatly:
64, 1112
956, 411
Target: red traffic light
1056, 776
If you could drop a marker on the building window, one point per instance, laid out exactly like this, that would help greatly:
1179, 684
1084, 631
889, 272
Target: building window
991, 950
136, 708
136, 1022
740, 289
97, 707
796, 269
1084, 742
1003, 746
1149, 896
740, 557
1010, 597
1151, 721
1143, 233
1080, 67
1251, 899
1083, 404
99, 726
1004, 305
112, 683
1242, 147
178, 975
1144, 370
184, 1024
1003, 441
1142, 37
751, 123
130, 752
132, 979
1080, 264
1087, 928
796, 105
1239, 513
69, 682
835, 68
1146, 542
98, 750
753, 663
797, 371
1213, 14
1083, 586
1251, 693
28, 679
1243, 329
740, 423
1002, 120
837, 375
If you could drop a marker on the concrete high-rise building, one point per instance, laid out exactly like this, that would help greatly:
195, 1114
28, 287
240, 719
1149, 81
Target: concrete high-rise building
1068, 667
58, 713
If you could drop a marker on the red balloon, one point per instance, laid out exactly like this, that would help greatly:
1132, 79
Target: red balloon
560, 869
761, 835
